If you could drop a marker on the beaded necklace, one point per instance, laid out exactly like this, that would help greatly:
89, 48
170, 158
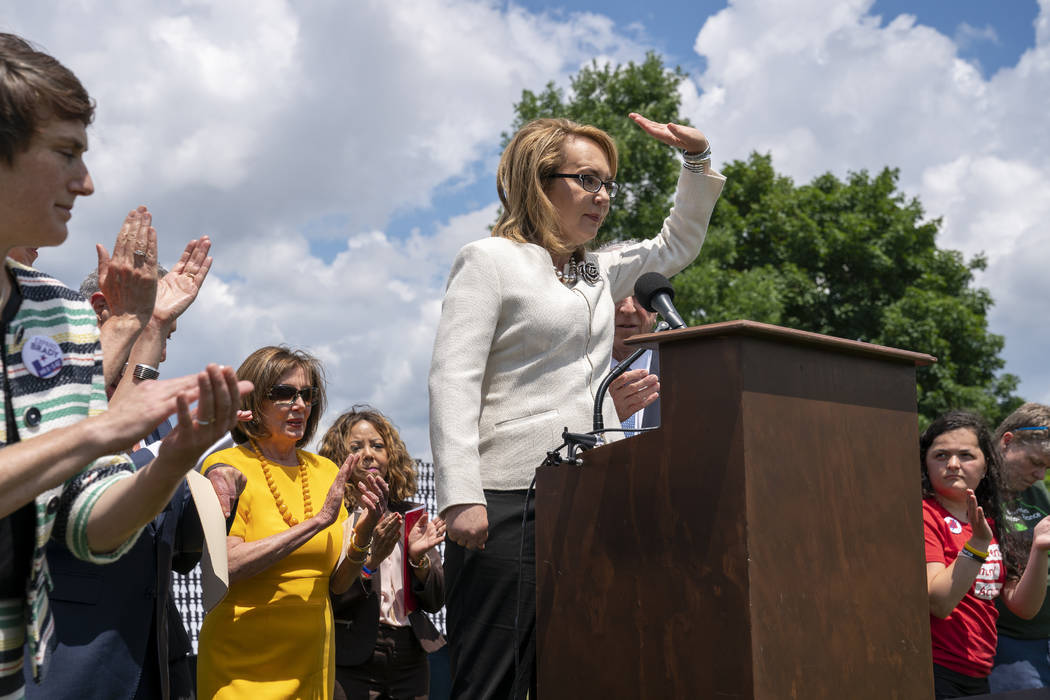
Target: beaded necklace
281, 505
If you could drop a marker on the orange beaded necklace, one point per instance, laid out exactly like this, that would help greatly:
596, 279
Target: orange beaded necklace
281, 505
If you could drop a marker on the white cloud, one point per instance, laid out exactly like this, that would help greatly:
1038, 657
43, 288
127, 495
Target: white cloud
273, 125
826, 86
282, 128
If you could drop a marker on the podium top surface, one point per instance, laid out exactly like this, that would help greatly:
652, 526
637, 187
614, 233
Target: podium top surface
786, 335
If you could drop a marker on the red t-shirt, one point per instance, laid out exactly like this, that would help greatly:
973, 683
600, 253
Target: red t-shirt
965, 640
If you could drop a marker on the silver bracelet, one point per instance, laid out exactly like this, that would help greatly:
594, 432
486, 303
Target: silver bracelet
145, 372
696, 162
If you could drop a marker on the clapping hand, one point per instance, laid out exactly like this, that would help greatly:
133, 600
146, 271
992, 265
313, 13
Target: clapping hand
145, 405
385, 538
424, 536
177, 289
982, 533
329, 512
128, 279
218, 395
372, 495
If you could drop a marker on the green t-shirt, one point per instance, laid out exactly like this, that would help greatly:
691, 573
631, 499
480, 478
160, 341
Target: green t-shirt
1021, 515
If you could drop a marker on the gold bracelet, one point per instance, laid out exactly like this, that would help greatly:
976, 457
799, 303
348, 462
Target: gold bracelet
357, 547
424, 562
973, 550
362, 560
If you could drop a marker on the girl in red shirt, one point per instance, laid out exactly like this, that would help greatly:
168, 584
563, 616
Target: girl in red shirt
966, 568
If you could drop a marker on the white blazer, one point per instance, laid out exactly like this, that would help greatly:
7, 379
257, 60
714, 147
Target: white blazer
519, 356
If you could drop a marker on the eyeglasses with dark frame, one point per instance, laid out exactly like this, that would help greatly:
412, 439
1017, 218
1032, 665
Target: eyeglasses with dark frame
592, 183
287, 394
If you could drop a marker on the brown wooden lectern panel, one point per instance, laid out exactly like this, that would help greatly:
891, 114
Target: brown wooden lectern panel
764, 542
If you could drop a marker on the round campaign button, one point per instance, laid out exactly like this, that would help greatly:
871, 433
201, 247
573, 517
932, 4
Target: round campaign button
42, 356
953, 525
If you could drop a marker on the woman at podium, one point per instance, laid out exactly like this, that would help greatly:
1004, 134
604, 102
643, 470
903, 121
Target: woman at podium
524, 339
968, 561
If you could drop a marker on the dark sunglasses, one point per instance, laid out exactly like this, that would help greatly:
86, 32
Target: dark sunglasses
286, 393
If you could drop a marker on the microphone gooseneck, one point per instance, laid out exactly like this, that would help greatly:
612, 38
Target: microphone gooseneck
599, 398
655, 293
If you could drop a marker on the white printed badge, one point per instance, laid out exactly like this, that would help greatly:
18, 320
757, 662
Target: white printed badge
953, 525
42, 356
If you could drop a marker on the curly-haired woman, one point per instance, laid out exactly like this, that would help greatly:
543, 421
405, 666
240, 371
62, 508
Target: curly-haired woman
382, 635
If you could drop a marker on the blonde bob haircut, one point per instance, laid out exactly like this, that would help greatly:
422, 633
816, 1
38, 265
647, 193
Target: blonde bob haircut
401, 468
532, 156
264, 368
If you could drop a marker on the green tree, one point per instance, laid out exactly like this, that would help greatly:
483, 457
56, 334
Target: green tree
852, 259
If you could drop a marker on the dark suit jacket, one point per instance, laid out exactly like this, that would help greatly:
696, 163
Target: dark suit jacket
356, 611
104, 614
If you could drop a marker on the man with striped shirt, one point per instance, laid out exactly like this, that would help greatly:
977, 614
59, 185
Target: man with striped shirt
60, 471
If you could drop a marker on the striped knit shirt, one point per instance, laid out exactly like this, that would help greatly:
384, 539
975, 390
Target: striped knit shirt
49, 391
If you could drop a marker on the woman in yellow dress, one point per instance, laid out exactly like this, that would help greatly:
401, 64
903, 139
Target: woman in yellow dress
271, 636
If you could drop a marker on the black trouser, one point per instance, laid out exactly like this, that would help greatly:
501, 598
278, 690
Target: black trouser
482, 600
397, 670
952, 684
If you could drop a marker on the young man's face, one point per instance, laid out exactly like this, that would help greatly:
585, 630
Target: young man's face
38, 189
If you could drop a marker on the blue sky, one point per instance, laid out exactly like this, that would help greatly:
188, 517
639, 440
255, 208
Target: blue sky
986, 35
671, 25
339, 154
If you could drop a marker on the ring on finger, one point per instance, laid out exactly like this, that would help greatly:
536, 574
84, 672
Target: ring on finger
203, 422
139, 253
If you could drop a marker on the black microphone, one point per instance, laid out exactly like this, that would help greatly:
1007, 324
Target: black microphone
655, 293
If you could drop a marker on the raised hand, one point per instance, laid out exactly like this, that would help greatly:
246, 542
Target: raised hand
178, 289
329, 511
982, 533
373, 494
218, 397
138, 411
129, 278
384, 538
684, 137
424, 536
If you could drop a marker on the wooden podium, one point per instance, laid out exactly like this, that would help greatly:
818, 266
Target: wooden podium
764, 542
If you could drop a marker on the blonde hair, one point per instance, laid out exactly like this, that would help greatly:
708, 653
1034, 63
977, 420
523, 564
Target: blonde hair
534, 154
1028, 415
401, 469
